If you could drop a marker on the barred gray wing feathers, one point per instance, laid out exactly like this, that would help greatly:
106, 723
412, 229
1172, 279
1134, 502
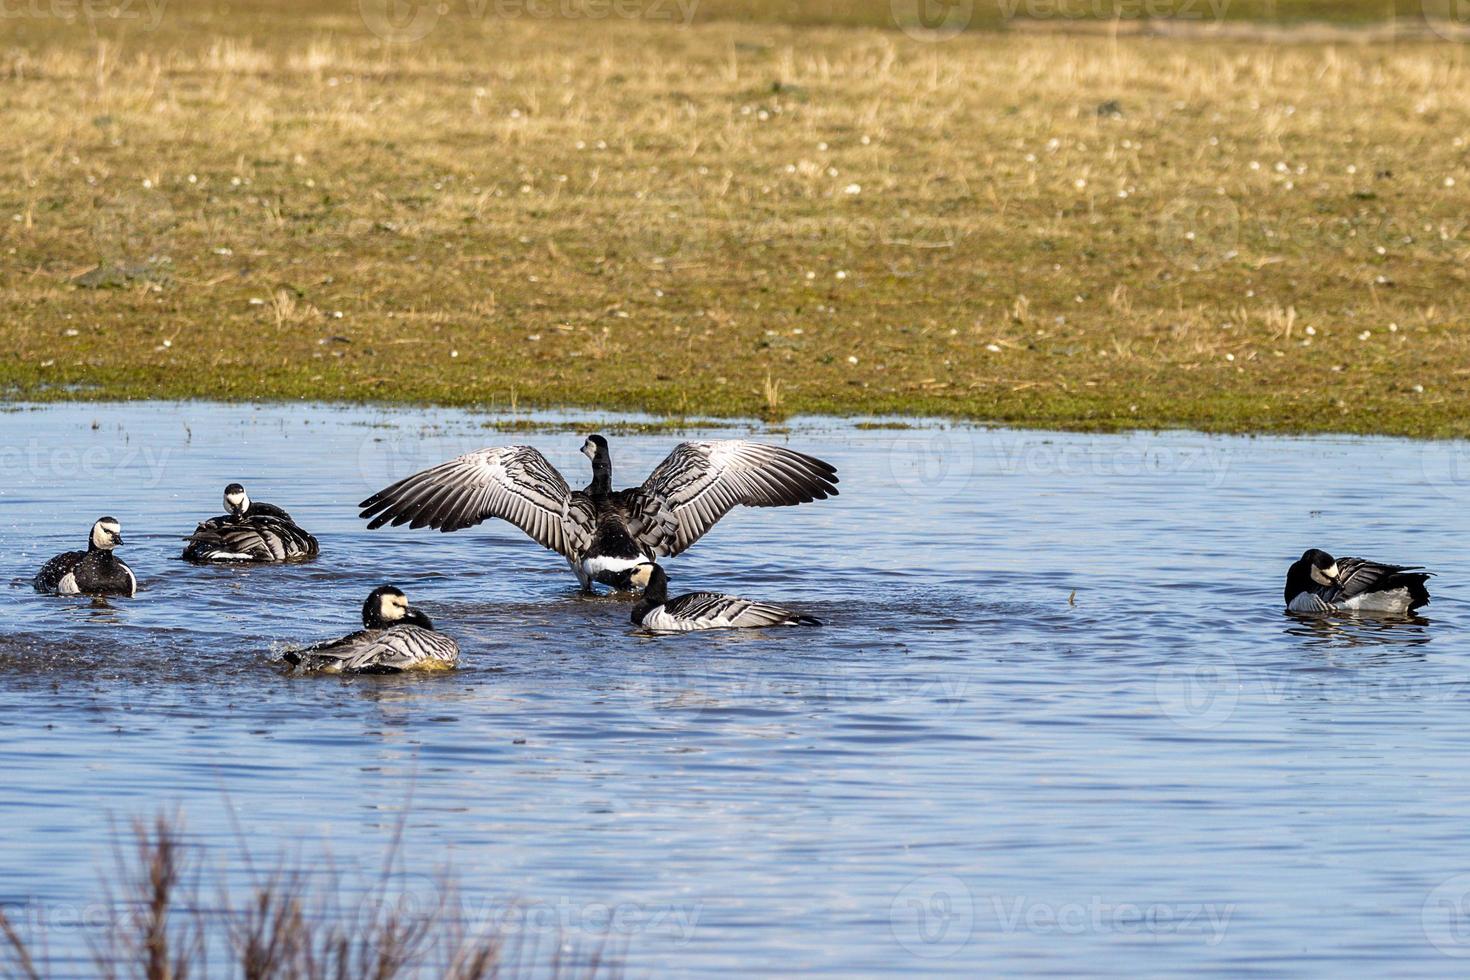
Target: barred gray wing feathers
514, 483
699, 482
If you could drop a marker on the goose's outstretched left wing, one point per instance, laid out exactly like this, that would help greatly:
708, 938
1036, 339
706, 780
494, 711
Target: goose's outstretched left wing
514, 483
700, 482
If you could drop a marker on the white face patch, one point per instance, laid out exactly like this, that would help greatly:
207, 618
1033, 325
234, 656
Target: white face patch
642, 575
1322, 577
103, 533
237, 502
392, 607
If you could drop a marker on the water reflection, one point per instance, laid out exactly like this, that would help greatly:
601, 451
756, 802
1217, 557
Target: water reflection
1026, 718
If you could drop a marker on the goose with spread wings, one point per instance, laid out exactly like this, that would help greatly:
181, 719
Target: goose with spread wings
1319, 583
601, 532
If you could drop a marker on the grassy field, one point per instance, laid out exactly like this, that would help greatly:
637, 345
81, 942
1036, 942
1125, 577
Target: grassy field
738, 216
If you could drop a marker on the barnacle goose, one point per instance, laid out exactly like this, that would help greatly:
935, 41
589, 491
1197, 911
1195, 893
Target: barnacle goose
655, 611
248, 532
96, 571
1319, 583
604, 533
395, 637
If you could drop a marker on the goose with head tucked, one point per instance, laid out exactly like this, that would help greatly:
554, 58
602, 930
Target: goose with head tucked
604, 533
248, 532
656, 612
1319, 583
96, 571
396, 637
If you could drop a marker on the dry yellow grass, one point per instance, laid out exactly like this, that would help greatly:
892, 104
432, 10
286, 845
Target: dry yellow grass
738, 218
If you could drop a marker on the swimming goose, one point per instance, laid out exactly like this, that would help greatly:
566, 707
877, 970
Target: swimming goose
395, 637
248, 532
701, 610
603, 533
1318, 583
96, 571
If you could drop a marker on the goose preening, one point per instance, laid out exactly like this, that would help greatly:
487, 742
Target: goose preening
1319, 583
96, 571
248, 531
395, 638
701, 610
604, 533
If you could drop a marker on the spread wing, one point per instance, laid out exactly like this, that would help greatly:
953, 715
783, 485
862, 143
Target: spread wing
1357, 576
700, 482
513, 483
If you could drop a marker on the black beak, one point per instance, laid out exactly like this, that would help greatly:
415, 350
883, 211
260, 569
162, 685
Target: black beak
117, 539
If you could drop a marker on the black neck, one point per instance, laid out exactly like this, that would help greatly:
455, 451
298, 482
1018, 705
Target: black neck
602, 472
654, 595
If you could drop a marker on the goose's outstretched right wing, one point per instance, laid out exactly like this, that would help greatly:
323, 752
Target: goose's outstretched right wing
513, 483
700, 482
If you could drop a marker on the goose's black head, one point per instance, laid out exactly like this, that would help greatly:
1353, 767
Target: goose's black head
1315, 567
595, 448
106, 535
236, 501
387, 606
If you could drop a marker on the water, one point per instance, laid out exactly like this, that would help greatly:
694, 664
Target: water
1057, 722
